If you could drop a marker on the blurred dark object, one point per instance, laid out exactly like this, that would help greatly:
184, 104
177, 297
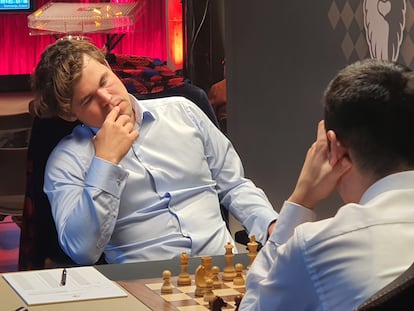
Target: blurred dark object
398, 295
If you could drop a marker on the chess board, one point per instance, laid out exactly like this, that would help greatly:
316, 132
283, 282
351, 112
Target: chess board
148, 291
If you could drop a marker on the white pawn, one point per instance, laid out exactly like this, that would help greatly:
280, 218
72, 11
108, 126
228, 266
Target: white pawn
217, 283
166, 287
239, 279
184, 277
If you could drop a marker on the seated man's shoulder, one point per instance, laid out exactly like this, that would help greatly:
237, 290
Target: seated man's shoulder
169, 102
81, 136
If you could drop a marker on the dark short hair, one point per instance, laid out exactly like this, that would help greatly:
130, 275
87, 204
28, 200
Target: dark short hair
370, 106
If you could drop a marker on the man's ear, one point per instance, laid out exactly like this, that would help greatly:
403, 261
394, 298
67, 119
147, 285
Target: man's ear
68, 116
337, 150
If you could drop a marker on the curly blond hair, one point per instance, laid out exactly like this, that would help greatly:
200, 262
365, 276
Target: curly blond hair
56, 74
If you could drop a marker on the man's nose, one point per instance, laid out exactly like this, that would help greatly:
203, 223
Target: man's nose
104, 96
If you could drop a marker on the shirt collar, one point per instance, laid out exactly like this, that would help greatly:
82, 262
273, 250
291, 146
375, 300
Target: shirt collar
141, 112
397, 181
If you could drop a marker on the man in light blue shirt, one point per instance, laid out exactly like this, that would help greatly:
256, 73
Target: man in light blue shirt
138, 180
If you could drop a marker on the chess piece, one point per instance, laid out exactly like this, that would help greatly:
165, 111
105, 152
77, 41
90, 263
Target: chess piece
252, 246
217, 283
217, 304
209, 295
239, 279
206, 261
229, 272
184, 277
237, 301
166, 287
200, 281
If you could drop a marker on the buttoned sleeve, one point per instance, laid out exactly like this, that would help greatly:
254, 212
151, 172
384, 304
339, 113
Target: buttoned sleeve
106, 176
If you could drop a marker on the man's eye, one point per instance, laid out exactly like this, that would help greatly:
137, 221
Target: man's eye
86, 101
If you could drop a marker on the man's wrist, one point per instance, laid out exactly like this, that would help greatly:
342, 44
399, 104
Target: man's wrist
301, 200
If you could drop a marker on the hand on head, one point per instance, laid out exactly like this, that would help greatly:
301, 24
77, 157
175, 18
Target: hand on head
320, 174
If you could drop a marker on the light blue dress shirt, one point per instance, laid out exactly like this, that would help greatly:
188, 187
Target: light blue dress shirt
164, 196
337, 263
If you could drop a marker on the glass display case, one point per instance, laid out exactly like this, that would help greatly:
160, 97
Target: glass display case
82, 18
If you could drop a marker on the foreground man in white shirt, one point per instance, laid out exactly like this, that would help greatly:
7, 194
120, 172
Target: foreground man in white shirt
365, 150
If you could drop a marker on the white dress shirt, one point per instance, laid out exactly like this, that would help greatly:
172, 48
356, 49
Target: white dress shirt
164, 196
337, 263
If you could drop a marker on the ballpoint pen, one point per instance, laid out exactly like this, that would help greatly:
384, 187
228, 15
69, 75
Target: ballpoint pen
63, 278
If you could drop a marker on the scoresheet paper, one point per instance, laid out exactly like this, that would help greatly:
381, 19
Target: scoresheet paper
44, 286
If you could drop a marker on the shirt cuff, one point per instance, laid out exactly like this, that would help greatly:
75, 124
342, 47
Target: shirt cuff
291, 215
106, 176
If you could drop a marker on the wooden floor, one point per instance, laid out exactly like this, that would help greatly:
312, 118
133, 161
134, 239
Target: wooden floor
9, 245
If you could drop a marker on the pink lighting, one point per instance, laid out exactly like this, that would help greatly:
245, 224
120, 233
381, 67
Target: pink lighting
20, 51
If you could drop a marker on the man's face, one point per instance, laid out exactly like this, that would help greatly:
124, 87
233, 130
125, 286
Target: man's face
98, 91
